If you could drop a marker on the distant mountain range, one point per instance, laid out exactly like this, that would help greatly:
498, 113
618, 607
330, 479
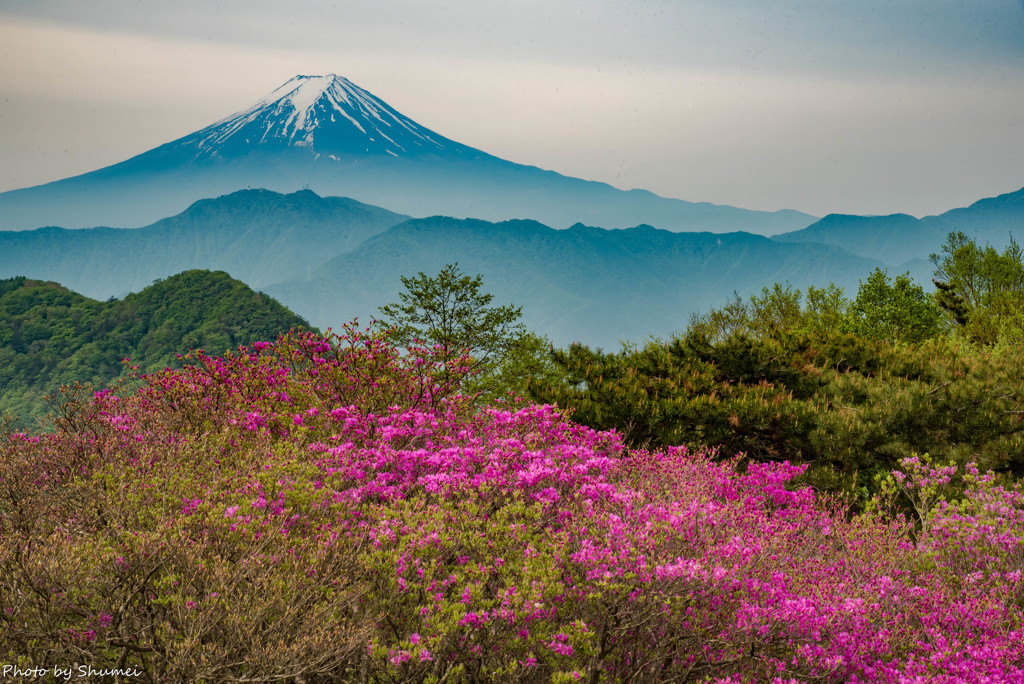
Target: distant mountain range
332, 259
582, 284
524, 229
326, 134
258, 236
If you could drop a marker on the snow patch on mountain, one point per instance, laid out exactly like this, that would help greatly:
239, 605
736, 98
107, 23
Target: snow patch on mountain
327, 114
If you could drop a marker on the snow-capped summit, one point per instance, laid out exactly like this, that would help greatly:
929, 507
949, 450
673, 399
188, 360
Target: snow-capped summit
328, 115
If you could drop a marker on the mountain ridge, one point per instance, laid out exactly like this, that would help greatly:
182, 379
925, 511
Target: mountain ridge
581, 284
282, 243
897, 238
259, 236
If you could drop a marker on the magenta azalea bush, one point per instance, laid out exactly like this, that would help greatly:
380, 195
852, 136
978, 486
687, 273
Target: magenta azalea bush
326, 509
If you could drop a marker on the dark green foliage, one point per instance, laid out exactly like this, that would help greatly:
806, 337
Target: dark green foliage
51, 336
737, 394
850, 406
951, 302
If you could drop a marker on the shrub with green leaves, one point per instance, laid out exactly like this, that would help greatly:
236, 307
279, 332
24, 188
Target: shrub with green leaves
849, 406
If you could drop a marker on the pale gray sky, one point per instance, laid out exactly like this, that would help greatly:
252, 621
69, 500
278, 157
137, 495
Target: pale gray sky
857, 106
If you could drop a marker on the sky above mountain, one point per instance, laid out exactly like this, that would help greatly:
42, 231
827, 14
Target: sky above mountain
859, 106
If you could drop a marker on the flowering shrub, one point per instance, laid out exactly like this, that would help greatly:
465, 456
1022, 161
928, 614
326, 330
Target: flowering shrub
323, 509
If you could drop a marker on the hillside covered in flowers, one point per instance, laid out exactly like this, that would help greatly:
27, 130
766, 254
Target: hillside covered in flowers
335, 508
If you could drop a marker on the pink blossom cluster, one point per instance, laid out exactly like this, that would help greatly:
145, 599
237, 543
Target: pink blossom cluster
495, 543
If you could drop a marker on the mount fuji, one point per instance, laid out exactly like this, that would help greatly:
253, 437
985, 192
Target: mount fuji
327, 134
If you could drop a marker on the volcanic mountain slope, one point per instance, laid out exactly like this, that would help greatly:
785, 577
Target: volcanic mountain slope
259, 236
329, 135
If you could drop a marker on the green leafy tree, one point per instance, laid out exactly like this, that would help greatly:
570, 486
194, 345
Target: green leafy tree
776, 311
898, 311
732, 318
531, 357
452, 312
827, 311
981, 289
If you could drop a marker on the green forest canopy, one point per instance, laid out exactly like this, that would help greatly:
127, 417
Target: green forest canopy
51, 336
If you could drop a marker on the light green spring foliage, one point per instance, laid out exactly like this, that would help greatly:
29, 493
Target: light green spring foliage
982, 290
979, 298
897, 311
887, 310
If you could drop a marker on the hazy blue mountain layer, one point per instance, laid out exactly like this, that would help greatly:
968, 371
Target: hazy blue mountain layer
588, 284
258, 236
332, 259
899, 238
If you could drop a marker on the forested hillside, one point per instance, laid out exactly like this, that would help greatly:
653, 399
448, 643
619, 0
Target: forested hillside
51, 336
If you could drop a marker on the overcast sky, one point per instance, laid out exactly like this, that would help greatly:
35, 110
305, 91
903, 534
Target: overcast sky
853, 106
